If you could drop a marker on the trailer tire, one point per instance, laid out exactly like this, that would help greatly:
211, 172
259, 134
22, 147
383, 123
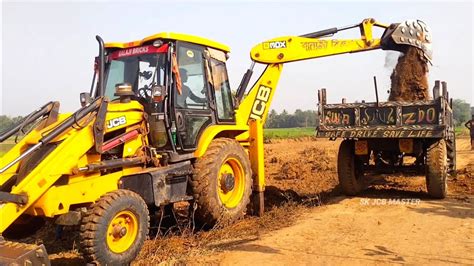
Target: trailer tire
221, 201
349, 174
451, 148
114, 229
437, 169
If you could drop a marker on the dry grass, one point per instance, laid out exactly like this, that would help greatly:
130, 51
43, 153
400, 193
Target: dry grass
182, 244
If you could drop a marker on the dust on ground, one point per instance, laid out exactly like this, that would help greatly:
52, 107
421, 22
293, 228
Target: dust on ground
409, 81
307, 219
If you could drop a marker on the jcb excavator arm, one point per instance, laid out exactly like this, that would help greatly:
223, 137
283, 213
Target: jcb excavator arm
277, 51
253, 109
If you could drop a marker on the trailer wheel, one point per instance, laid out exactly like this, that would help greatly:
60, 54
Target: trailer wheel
437, 169
114, 229
222, 183
348, 169
451, 148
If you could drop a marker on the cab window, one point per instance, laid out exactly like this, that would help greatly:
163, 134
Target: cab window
223, 94
191, 70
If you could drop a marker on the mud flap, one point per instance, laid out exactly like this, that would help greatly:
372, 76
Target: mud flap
19, 254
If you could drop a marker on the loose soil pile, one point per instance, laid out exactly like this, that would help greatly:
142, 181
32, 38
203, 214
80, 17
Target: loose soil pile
409, 77
306, 166
316, 161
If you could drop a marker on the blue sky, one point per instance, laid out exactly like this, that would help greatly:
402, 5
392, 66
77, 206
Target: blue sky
48, 47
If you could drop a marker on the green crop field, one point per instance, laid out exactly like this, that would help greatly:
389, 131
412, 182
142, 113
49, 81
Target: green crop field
461, 131
6, 146
283, 133
268, 133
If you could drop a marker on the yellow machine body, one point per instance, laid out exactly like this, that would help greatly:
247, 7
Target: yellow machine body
70, 155
61, 179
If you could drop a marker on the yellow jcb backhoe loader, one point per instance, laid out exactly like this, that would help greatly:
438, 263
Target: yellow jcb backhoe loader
159, 125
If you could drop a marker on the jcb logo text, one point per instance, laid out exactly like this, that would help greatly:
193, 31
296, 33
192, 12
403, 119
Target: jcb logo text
260, 104
116, 122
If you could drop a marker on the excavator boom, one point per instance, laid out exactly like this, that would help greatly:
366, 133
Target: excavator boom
396, 36
277, 51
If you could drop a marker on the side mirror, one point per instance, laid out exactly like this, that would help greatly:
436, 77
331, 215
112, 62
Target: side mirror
85, 98
158, 93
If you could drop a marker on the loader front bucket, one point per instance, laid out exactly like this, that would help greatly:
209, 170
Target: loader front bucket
20, 254
409, 33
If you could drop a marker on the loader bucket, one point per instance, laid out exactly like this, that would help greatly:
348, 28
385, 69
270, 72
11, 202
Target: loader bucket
409, 33
20, 254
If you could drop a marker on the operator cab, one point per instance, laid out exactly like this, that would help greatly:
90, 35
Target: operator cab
180, 80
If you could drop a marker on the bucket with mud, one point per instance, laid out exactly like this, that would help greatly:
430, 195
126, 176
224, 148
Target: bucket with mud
409, 80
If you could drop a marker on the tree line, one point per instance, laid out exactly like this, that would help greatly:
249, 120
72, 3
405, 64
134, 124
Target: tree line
286, 120
7, 122
299, 118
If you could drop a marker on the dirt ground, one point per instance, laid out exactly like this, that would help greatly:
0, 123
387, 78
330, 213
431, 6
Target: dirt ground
393, 222
308, 221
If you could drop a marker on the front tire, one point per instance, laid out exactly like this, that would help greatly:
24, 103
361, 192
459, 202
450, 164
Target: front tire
222, 183
348, 170
437, 169
114, 228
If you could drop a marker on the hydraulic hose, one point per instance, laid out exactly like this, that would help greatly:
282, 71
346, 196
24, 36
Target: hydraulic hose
66, 124
45, 109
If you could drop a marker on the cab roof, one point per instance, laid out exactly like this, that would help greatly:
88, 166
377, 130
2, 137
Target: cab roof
171, 36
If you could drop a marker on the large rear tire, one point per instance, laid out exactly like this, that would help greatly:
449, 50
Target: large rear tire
437, 169
222, 183
348, 169
114, 228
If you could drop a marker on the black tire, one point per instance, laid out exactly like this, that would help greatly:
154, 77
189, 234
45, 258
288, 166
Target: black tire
207, 191
437, 169
24, 226
94, 231
348, 169
451, 149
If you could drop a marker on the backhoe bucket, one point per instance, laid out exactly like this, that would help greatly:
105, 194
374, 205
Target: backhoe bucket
409, 33
20, 254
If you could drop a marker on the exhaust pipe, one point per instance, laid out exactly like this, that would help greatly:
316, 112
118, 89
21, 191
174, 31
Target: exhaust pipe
100, 81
